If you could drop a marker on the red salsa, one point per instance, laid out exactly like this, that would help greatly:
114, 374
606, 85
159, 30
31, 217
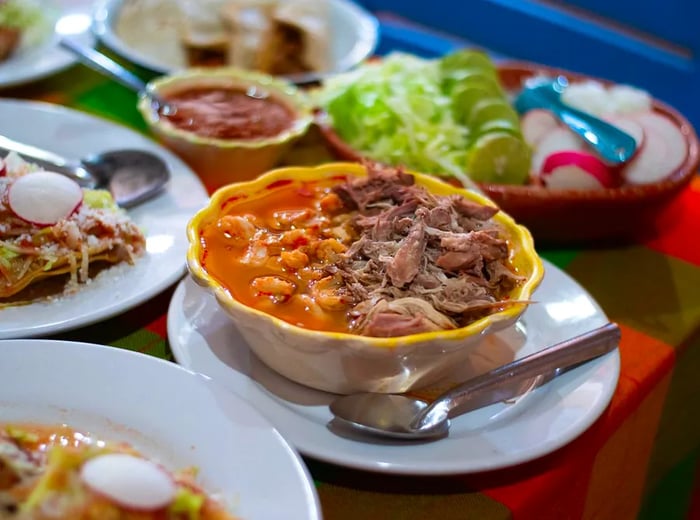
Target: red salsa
229, 113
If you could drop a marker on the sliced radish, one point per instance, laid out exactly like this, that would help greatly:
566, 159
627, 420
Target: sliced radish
132, 482
558, 165
537, 123
43, 198
3, 168
665, 148
571, 177
558, 140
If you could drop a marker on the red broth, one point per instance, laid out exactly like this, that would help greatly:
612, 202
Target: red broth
270, 252
376, 256
226, 113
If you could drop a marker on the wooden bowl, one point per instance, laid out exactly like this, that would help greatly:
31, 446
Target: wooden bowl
624, 213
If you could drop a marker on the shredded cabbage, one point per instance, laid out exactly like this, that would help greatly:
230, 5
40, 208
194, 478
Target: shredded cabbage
26, 15
397, 112
7, 254
99, 199
187, 502
61, 468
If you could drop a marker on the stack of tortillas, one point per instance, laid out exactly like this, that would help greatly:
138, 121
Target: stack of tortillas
272, 36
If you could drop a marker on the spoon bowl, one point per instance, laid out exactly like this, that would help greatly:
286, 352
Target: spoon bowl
386, 414
131, 176
404, 417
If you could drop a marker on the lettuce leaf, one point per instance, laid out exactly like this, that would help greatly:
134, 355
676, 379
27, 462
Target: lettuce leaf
99, 199
396, 111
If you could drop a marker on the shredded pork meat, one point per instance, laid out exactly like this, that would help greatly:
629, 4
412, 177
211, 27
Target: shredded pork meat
422, 262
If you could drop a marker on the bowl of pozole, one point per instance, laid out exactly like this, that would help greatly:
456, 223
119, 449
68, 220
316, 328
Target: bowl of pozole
348, 277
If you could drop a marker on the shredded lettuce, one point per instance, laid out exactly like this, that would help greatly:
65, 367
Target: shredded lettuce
61, 464
21, 435
448, 117
397, 112
7, 254
99, 199
26, 15
187, 502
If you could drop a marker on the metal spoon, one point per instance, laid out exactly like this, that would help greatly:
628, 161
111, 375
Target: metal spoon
614, 145
403, 417
132, 176
105, 65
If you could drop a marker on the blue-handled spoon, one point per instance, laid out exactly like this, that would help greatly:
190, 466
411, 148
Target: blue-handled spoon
613, 145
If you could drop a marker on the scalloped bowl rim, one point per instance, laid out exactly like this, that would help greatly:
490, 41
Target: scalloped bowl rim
287, 92
519, 234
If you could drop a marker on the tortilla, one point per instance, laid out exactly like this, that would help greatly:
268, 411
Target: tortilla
204, 35
278, 37
248, 25
302, 29
9, 39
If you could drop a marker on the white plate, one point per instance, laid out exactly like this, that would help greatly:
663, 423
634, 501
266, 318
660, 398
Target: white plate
163, 219
72, 19
204, 340
168, 413
354, 38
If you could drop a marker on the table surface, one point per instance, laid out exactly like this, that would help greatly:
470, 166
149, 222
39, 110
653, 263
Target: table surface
638, 460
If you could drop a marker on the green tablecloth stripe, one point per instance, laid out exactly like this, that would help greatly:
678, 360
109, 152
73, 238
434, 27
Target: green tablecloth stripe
559, 257
679, 429
647, 290
102, 101
672, 496
351, 504
146, 342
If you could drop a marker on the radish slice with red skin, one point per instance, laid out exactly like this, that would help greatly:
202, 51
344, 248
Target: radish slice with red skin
571, 177
132, 482
585, 161
558, 140
537, 123
665, 148
43, 198
3, 168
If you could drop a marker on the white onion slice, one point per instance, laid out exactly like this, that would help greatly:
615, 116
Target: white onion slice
132, 482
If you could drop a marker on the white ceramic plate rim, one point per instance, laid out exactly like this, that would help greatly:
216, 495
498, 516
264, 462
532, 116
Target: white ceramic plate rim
47, 58
483, 440
364, 24
164, 218
83, 385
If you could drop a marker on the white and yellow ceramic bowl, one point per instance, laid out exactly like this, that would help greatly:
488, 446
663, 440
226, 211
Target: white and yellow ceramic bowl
346, 363
222, 161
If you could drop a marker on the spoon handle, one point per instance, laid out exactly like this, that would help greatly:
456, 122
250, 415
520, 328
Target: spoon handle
49, 161
488, 388
613, 144
104, 65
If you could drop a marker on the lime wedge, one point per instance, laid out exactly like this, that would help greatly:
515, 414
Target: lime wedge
496, 125
453, 85
487, 110
463, 103
499, 158
467, 59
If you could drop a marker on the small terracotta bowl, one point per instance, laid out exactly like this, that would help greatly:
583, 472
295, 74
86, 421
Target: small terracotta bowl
623, 213
222, 161
343, 362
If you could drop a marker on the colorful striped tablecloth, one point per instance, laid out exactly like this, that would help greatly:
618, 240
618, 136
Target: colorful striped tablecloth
639, 460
